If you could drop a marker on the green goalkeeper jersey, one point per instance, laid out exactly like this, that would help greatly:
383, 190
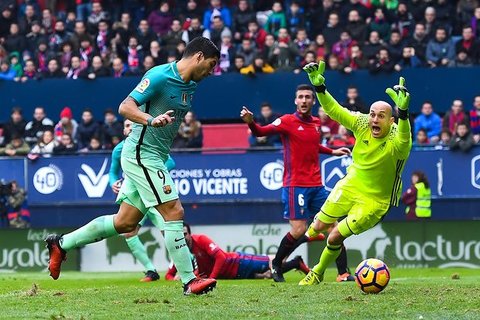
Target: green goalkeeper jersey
377, 163
161, 89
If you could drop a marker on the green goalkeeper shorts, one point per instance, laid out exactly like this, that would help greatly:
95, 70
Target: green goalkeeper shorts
146, 185
362, 212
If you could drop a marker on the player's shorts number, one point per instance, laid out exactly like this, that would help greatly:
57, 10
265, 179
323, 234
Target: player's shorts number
301, 201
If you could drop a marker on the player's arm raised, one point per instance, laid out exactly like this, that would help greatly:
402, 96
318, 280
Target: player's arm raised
330, 105
257, 131
401, 97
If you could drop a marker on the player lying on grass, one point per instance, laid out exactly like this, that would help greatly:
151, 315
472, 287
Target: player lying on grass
132, 239
303, 192
373, 182
211, 261
157, 107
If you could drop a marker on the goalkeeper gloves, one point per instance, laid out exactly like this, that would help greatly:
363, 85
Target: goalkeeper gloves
399, 94
315, 75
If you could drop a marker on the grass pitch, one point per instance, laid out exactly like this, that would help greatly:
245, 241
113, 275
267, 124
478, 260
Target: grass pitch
411, 294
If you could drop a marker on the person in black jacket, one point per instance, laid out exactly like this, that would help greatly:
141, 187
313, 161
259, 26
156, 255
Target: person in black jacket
53, 70
66, 146
87, 129
15, 126
96, 70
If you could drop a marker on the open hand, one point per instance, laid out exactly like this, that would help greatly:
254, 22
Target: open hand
399, 94
315, 72
341, 152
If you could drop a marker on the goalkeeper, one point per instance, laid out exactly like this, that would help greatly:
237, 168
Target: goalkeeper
373, 181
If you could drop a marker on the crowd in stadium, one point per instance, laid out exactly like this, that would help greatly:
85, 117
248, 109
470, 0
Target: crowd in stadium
116, 38
92, 38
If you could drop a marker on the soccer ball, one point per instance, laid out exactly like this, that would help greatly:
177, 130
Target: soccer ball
372, 275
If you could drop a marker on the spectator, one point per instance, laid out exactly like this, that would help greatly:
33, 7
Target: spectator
34, 36
350, 5
284, 53
15, 125
461, 60
103, 37
372, 46
48, 21
380, 24
421, 138
25, 22
465, 10
256, 34
322, 49
257, 66
97, 15
86, 52
44, 146
80, 32
355, 61
395, 45
239, 63
160, 20
215, 32
66, 124
332, 30
216, 10
276, 20
445, 12
408, 59
191, 10
58, 37
247, 51
342, 48
6, 72
440, 50
96, 70
309, 58
145, 36
65, 56
475, 119
133, 55
462, 139
301, 42
16, 147
354, 102
419, 42
118, 68
454, 116
125, 28
15, 41
190, 133
94, 145
148, 63
429, 21
295, 17
329, 126
356, 27
242, 17
173, 36
267, 116
333, 63
15, 65
195, 30
84, 8
75, 68
112, 129
445, 138
418, 197
227, 52
65, 145
29, 71
429, 121
6, 19
342, 139
158, 54
404, 21
42, 56
383, 63
469, 44
87, 129
475, 22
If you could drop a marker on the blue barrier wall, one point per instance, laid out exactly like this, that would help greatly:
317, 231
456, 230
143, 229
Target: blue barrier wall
223, 97
227, 188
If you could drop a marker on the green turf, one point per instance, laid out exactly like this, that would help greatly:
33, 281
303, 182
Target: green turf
411, 294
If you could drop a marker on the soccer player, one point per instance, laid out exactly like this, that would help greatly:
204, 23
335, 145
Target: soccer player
211, 261
373, 182
132, 239
303, 193
157, 106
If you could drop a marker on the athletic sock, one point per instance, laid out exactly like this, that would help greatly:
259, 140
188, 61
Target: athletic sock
329, 254
287, 245
140, 252
96, 230
178, 250
341, 261
289, 265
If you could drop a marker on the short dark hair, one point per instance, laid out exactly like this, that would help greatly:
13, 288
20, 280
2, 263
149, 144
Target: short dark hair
16, 109
304, 87
186, 225
266, 104
204, 45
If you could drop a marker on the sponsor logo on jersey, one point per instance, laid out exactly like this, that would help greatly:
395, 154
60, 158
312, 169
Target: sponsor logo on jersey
167, 189
94, 184
277, 122
300, 128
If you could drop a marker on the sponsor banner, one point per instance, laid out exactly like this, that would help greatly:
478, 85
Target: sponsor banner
69, 179
13, 169
234, 177
113, 254
24, 250
414, 244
